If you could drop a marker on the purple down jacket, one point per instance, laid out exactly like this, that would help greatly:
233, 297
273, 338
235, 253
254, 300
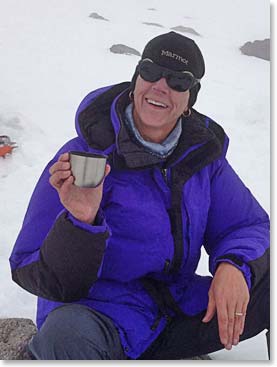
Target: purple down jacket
137, 264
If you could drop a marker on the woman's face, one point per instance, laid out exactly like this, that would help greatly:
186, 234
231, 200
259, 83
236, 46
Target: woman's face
157, 106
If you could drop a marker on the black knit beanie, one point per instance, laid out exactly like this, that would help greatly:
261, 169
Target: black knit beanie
176, 52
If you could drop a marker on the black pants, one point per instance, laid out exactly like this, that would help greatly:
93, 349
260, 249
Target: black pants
186, 337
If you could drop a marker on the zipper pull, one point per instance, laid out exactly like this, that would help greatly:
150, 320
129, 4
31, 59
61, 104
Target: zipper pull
166, 266
164, 173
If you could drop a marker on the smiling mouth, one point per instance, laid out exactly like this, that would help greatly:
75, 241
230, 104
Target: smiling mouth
152, 102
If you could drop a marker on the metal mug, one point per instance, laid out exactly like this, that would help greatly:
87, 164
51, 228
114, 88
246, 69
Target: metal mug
88, 169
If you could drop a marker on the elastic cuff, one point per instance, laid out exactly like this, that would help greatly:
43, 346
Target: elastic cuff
244, 268
99, 225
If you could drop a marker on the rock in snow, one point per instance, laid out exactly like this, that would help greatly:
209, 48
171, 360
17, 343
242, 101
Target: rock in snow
97, 16
122, 49
260, 49
14, 336
153, 24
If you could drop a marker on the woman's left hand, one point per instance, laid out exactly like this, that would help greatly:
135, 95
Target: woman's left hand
228, 297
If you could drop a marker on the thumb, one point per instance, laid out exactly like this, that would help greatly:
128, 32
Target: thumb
107, 170
66, 186
210, 310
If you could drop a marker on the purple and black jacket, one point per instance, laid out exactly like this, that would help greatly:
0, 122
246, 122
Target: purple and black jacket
137, 264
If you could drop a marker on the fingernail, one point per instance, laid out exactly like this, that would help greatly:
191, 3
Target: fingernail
236, 341
229, 346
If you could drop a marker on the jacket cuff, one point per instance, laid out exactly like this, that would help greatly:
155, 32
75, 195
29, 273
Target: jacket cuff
99, 226
236, 262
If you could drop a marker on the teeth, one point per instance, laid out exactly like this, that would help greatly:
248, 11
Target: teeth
155, 103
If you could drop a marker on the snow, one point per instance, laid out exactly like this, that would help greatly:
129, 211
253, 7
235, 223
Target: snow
53, 54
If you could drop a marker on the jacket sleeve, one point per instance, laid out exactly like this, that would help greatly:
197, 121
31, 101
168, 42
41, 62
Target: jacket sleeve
238, 228
56, 256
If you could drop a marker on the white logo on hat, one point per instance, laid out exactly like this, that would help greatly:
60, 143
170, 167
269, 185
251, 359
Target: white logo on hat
174, 56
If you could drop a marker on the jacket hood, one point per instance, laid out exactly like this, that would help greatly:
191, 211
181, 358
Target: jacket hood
100, 123
93, 117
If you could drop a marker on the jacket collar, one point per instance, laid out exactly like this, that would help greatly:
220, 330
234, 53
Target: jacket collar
102, 125
194, 134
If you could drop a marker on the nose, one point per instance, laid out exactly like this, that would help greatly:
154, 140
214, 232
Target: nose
160, 86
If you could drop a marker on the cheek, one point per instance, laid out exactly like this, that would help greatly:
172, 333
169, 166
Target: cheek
139, 98
181, 102
180, 108
141, 88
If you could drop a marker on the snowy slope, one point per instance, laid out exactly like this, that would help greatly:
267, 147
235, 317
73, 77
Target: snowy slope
53, 54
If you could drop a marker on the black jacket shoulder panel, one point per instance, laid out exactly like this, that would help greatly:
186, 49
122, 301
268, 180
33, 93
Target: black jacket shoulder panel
95, 120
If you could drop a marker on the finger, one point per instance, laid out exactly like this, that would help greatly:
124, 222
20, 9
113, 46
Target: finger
59, 166
67, 185
231, 324
237, 324
58, 178
242, 325
66, 192
211, 309
237, 329
244, 311
64, 157
107, 170
222, 317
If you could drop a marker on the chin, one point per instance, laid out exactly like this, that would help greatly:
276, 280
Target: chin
154, 123
154, 120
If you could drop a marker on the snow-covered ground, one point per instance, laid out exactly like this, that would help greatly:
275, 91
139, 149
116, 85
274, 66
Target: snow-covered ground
53, 54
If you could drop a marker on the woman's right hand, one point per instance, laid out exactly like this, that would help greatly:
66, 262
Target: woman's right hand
82, 203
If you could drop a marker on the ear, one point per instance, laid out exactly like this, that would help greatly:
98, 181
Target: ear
187, 113
131, 95
193, 94
134, 79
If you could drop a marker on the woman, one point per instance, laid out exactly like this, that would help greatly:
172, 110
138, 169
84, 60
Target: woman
114, 266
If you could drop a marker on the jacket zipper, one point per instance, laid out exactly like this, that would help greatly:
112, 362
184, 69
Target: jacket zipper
164, 174
188, 232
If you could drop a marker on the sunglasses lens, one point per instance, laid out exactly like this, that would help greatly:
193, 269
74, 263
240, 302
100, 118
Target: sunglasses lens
179, 82
149, 71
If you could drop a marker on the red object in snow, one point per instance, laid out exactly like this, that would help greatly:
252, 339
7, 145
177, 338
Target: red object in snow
6, 145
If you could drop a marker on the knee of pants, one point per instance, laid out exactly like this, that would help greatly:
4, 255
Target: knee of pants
64, 322
76, 332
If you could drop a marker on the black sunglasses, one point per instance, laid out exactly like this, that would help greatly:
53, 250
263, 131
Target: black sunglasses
180, 81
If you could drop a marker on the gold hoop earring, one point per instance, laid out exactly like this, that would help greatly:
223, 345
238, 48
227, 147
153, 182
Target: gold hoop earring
187, 113
131, 95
